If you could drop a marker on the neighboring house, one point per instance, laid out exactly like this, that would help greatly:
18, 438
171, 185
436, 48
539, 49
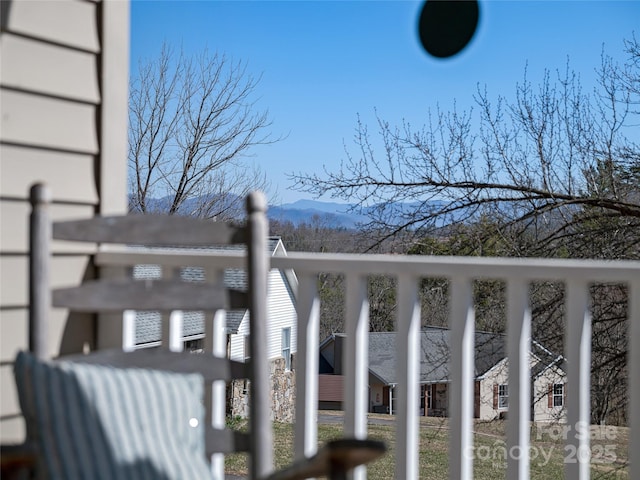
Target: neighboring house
491, 393
281, 327
64, 77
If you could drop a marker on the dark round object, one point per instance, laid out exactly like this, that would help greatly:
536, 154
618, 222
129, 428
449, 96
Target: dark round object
446, 26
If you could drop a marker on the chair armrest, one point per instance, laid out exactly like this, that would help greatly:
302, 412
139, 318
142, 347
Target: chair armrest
333, 460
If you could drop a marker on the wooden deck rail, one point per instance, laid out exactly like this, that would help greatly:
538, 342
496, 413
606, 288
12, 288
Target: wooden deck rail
461, 271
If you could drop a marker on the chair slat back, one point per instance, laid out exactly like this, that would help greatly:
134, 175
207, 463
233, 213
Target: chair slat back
167, 294
211, 368
150, 230
157, 295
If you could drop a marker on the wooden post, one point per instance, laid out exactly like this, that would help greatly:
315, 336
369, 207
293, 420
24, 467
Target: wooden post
39, 253
306, 425
261, 435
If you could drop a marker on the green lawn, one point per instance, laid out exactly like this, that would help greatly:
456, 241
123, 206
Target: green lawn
548, 451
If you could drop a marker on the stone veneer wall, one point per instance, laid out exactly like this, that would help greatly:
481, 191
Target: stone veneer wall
283, 394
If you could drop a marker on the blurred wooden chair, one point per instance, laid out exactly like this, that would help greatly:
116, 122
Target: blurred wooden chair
140, 413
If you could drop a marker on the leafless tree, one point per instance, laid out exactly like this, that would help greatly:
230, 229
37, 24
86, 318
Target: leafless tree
192, 122
556, 162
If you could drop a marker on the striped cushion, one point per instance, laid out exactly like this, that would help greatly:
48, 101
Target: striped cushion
100, 422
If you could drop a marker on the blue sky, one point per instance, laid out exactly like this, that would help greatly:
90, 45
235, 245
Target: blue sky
325, 62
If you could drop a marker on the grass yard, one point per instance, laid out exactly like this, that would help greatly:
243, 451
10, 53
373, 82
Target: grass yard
548, 452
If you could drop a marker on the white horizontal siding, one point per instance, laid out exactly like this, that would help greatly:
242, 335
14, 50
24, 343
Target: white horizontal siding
14, 329
236, 347
13, 337
16, 238
40, 67
65, 271
65, 22
64, 125
48, 123
69, 175
280, 314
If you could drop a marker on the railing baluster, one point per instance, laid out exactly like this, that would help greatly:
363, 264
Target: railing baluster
461, 394
129, 330
306, 426
215, 341
578, 354
116, 329
408, 368
634, 377
172, 322
518, 348
356, 361
462, 369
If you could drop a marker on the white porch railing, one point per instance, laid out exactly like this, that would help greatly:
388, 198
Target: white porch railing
409, 270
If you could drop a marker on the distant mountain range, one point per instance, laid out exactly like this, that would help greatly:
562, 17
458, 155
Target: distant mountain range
330, 214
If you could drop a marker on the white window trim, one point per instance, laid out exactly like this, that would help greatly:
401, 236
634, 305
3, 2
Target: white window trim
286, 347
558, 398
503, 396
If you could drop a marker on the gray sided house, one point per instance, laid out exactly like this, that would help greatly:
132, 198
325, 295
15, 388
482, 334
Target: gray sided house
281, 328
491, 393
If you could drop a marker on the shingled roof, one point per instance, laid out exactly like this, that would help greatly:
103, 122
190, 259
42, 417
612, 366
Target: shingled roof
435, 358
435, 354
148, 324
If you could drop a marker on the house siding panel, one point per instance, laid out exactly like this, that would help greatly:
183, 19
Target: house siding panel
14, 329
14, 276
48, 122
330, 388
281, 314
39, 67
16, 239
498, 375
236, 348
50, 102
65, 22
69, 175
543, 412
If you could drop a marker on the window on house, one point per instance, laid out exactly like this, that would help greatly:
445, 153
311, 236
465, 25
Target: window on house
394, 399
194, 345
558, 394
286, 347
247, 348
425, 396
503, 396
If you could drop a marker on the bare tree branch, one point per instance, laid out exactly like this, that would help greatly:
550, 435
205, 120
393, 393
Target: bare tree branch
193, 120
551, 159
